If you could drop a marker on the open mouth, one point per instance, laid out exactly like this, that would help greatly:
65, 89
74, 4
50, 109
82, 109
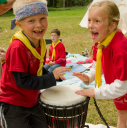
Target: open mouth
94, 34
38, 32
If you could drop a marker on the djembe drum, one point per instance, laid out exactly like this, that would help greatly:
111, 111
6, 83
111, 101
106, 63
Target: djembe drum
63, 108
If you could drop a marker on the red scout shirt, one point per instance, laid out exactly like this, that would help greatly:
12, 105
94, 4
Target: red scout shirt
114, 64
60, 54
19, 59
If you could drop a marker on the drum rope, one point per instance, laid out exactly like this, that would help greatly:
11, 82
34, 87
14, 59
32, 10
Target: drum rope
100, 114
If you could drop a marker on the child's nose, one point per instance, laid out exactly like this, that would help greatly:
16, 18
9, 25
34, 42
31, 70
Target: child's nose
90, 24
38, 24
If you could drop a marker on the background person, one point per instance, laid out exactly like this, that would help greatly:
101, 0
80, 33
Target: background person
57, 54
5, 5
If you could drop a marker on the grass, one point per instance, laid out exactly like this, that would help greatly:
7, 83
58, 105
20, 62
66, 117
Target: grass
75, 39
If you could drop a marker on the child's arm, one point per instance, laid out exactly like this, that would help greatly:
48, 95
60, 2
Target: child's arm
34, 82
51, 63
4, 7
109, 91
38, 82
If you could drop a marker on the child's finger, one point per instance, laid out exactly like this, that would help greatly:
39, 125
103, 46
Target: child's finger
62, 78
61, 74
63, 69
79, 91
76, 73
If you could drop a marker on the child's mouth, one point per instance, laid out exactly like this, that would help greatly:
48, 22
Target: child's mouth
94, 35
39, 32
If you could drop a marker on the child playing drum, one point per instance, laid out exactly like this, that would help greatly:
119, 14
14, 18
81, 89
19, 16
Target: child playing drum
111, 51
23, 74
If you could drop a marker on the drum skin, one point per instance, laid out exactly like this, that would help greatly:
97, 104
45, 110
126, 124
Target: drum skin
71, 115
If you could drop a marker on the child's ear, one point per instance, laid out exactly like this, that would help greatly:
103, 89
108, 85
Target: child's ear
112, 26
18, 24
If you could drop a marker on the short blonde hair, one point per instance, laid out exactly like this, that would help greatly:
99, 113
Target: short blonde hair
19, 3
110, 8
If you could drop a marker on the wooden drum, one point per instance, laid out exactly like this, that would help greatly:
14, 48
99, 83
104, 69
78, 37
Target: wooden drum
63, 108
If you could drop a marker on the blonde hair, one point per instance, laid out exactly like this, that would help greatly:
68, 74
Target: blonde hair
19, 3
110, 8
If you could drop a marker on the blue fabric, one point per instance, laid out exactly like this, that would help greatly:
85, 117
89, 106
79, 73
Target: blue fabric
27, 10
13, 23
31, 9
75, 68
50, 69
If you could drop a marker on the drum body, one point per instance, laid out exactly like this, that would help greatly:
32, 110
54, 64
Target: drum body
66, 116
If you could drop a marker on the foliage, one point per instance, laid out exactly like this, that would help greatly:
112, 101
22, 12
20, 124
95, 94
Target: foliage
81, 2
68, 3
58, 9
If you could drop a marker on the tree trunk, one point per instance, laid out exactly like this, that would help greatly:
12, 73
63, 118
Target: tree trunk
53, 3
67, 3
70, 3
63, 3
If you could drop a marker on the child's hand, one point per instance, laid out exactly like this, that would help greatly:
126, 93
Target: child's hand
51, 63
86, 92
58, 72
62, 78
81, 76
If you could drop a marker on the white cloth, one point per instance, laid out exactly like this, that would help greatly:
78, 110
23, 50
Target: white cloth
109, 91
122, 5
97, 126
123, 16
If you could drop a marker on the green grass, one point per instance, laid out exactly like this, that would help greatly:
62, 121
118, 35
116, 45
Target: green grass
75, 39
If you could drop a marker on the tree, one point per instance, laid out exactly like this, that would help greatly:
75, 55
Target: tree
70, 3
63, 3
53, 3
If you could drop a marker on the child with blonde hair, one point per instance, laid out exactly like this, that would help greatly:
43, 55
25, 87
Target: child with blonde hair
110, 58
23, 74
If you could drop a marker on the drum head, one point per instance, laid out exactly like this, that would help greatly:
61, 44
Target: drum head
62, 95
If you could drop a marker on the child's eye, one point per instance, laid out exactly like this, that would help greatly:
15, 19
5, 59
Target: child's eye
89, 20
31, 21
97, 21
42, 18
